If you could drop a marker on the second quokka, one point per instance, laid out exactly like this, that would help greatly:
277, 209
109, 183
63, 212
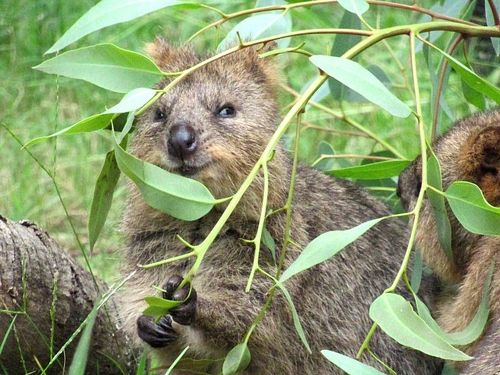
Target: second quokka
213, 126
469, 151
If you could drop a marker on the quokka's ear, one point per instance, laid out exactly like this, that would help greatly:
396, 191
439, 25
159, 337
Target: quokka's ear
170, 58
264, 69
481, 162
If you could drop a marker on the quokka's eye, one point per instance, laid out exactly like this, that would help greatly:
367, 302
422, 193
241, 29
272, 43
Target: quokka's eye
226, 111
159, 115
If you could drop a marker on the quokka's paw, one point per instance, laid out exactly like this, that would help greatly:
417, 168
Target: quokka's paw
156, 334
185, 312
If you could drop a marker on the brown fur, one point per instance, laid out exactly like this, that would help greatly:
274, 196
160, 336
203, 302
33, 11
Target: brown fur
332, 298
469, 151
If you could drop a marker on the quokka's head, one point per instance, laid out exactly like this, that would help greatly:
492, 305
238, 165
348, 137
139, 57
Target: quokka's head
469, 151
214, 124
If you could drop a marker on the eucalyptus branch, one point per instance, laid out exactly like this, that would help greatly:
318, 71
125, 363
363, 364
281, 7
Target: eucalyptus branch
289, 201
349, 156
368, 133
442, 73
258, 235
304, 4
420, 199
309, 125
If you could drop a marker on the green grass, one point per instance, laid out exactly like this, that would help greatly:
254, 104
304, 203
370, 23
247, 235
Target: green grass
34, 104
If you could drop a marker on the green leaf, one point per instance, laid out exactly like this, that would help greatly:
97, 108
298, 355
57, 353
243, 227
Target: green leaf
354, 6
473, 330
473, 97
341, 44
359, 79
295, 316
103, 196
396, 317
438, 205
89, 124
106, 66
132, 101
79, 361
179, 357
110, 12
377, 170
349, 365
268, 241
470, 78
236, 360
259, 26
467, 202
490, 21
158, 306
326, 246
178, 196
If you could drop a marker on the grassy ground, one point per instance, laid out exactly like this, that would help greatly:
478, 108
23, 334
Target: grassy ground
33, 104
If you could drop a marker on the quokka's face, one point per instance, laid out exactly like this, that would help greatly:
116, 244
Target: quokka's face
214, 124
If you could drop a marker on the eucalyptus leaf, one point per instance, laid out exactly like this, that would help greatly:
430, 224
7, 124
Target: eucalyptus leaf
111, 12
268, 241
359, 79
295, 316
259, 26
354, 6
236, 360
157, 306
89, 124
377, 170
349, 365
132, 101
473, 97
326, 246
473, 330
395, 316
103, 196
342, 43
438, 205
105, 65
178, 196
467, 202
470, 78
79, 361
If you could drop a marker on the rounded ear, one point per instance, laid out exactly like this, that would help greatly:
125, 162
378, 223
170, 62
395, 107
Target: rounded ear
481, 162
264, 70
170, 58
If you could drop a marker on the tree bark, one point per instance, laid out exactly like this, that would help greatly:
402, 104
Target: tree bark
36, 274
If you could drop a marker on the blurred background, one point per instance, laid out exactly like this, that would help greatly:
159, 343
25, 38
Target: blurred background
34, 104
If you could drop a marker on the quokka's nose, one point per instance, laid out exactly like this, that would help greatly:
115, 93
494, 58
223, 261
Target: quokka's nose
182, 141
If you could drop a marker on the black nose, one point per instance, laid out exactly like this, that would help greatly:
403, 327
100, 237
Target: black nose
182, 141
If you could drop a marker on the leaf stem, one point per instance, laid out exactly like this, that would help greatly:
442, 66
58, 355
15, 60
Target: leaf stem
420, 199
286, 7
258, 235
